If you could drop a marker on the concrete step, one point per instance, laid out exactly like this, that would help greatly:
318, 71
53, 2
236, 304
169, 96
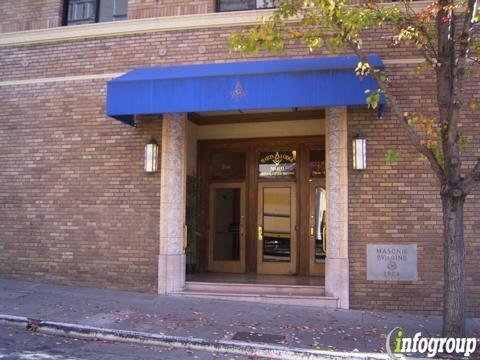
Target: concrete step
255, 289
302, 295
303, 300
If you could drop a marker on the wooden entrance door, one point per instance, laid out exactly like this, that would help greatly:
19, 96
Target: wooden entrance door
276, 228
227, 227
288, 168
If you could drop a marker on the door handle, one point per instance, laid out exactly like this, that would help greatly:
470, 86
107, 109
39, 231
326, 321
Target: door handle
185, 236
324, 239
312, 231
260, 233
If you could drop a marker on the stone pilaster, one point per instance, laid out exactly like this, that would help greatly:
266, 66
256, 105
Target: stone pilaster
171, 260
337, 267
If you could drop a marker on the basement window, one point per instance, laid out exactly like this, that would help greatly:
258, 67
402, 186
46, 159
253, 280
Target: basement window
79, 12
237, 5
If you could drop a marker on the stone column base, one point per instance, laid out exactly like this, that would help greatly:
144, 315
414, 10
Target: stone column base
171, 273
337, 280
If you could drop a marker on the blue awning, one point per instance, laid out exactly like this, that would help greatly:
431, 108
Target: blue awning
247, 85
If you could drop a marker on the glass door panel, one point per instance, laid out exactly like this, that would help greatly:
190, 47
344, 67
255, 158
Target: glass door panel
277, 224
318, 241
276, 230
320, 229
226, 224
227, 242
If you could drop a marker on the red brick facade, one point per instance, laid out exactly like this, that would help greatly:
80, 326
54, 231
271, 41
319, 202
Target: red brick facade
19, 15
76, 206
401, 204
24, 15
140, 9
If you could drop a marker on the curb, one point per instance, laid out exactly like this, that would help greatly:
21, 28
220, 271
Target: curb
224, 346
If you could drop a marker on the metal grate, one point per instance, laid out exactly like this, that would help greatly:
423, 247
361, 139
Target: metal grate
259, 338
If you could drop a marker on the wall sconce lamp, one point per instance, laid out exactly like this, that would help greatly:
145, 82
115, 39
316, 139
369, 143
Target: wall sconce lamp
151, 156
359, 152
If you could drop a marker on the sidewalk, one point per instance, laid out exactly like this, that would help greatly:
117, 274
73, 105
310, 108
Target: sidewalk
294, 326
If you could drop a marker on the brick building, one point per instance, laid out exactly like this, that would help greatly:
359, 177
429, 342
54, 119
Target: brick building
259, 172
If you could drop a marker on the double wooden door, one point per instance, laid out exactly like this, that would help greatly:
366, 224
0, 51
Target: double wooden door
264, 206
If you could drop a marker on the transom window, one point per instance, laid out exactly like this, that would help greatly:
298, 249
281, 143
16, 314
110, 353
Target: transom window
90, 11
236, 5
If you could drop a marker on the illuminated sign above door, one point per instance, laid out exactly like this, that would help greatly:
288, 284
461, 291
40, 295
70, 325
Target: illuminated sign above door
277, 164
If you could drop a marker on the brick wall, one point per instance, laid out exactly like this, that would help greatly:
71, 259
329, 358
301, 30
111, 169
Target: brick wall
19, 15
401, 204
122, 53
140, 9
75, 203
23, 15
110, 200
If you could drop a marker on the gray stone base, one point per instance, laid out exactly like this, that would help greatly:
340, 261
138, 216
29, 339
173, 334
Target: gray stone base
337, 280
171, 273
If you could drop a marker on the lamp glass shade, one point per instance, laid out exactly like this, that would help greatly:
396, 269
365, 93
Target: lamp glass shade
151, 156
359, 153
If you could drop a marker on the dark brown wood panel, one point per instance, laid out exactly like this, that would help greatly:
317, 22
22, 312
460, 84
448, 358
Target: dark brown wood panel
200, 119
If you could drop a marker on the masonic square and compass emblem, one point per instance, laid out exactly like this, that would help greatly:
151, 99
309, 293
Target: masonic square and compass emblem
238, 92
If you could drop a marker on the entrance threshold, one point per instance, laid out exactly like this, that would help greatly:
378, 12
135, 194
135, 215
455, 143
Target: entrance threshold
268, 289
256, 279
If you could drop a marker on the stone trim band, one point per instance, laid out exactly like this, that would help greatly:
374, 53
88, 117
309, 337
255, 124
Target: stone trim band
109, 76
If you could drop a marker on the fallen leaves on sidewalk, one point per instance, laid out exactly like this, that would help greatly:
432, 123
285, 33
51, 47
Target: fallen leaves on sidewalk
33, 324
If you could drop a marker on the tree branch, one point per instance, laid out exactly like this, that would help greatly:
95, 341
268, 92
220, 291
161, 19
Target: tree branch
453, 53
411, 133
448, 96
466, 35
463, 52
428, 49
474, 177
474, 60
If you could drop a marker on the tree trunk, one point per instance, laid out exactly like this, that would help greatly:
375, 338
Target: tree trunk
454, 266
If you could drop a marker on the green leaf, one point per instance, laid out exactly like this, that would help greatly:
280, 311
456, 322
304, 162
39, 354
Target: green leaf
476, 16
373, 100
392, 156
438, 152
474, 105
463, 140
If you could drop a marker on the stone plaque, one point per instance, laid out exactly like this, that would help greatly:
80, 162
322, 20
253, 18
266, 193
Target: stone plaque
392, 262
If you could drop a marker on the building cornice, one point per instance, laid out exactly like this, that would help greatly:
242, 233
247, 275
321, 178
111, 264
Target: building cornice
141, 26
131, 27
33, 81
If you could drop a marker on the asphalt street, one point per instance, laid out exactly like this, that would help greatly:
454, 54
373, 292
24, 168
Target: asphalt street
19, 344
